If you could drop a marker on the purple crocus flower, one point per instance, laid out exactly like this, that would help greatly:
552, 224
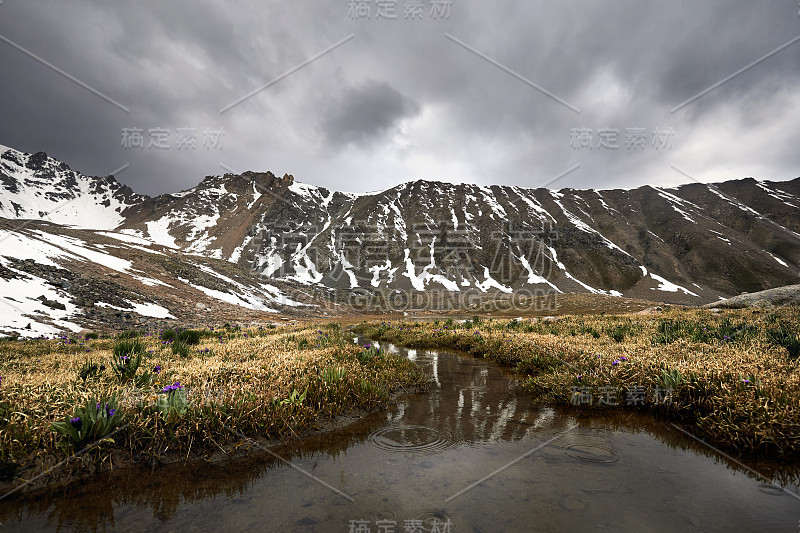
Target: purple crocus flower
614, 363
76, 423
111, 412
175, 386
157, 369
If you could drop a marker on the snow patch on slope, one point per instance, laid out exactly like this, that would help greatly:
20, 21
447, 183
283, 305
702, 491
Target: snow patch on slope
159, 232
581, 225
675, 201
665, 285
490, 282
27, 315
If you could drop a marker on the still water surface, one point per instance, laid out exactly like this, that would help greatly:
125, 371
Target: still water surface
416, 467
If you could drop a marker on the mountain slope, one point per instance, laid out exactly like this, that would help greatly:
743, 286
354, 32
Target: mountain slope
692, 244
55, 278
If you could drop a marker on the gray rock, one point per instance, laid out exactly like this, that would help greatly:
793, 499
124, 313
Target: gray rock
789, 294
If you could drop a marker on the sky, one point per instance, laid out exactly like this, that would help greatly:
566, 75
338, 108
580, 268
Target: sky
363, 95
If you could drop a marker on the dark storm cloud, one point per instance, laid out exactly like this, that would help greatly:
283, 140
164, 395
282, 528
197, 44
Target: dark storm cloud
366, 113
429, 108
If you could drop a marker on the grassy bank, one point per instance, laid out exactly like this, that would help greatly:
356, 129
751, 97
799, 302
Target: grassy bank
152, 394
731, 377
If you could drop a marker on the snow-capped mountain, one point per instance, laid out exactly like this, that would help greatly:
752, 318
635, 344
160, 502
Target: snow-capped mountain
691, 244
40, 187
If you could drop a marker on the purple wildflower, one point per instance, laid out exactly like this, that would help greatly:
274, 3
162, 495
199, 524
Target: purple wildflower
157, 369
175, 386
111, 412
615, 363
76, 422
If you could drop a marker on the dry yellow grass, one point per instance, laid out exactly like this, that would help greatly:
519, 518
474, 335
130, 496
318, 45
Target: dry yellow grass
250, 382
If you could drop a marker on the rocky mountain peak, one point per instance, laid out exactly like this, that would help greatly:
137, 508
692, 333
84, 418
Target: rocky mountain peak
690, 244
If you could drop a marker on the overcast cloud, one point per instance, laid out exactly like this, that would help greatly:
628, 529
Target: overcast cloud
492, 94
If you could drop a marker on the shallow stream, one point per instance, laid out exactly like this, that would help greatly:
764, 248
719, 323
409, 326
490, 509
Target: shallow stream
472, 454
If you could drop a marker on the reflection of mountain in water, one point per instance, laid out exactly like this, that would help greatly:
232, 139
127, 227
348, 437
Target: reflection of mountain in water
474, 402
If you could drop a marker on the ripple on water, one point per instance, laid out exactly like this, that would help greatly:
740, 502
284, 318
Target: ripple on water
412, 438
592, 453
437, 520
391, 516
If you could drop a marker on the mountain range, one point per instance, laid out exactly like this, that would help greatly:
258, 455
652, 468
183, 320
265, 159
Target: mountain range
256, 242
